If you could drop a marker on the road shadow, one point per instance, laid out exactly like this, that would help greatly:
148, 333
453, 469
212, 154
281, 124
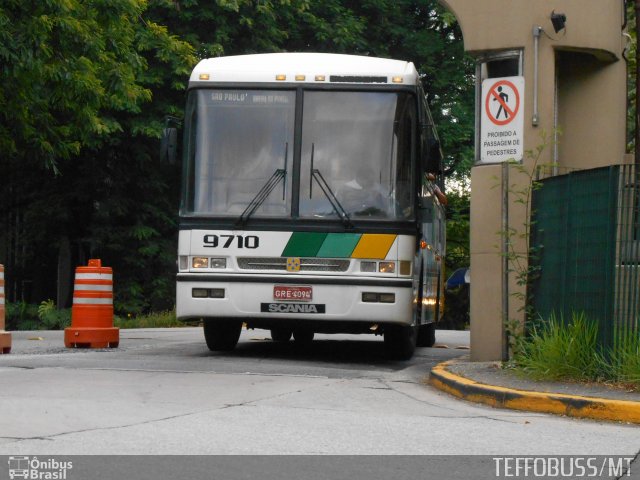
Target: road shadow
319, 350
356, 353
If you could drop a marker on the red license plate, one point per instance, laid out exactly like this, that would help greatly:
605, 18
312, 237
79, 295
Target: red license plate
291, 293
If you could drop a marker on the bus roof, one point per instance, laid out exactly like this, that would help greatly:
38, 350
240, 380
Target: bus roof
319, 68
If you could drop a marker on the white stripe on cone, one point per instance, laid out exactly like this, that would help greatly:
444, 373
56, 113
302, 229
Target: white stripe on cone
94, 276
92, 301
92, 288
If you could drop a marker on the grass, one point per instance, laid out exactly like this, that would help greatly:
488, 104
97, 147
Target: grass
46, 316
624, 360
556, 350
151, 320
570, 351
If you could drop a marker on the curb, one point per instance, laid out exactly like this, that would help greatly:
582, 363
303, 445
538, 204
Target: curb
558, 403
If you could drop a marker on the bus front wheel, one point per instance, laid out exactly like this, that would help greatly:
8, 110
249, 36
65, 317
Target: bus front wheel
221, 335
400, 341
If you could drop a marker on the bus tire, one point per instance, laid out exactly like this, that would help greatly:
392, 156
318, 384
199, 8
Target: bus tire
303, 336
221, 335
426, 335
400, 341
280, 335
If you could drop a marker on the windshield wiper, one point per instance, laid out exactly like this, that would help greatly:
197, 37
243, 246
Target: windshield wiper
326, 189
267, 188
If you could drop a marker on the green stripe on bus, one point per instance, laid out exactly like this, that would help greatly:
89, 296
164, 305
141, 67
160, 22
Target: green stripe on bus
339, 245
304, 244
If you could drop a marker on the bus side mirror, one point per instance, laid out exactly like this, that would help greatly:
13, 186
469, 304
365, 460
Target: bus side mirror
434, 158
431, 149
169, 146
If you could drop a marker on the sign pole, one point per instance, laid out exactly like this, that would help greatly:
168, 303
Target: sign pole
505, 260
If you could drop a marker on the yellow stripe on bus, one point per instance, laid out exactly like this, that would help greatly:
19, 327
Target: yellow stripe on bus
374, 245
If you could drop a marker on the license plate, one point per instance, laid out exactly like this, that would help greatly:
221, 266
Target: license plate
292, 293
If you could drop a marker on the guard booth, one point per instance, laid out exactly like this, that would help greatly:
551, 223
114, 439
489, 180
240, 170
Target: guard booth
550, 74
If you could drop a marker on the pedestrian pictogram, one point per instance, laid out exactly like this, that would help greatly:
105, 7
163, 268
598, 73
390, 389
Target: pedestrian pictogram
502, 120
502, 102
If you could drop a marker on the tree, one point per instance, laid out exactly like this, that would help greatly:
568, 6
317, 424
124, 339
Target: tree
66, 63
75, 78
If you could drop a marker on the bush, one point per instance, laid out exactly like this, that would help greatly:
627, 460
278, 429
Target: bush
555, 350
51, 318
21, 316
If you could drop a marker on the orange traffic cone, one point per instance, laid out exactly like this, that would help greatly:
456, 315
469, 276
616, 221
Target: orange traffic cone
5, 337
92, 310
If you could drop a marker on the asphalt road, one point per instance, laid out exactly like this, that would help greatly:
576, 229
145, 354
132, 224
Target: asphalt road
162, 392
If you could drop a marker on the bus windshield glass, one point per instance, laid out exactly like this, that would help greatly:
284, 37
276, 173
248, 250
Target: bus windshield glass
360, 143
355, 160
237, 141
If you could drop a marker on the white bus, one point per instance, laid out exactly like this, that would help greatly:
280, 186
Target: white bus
311, 200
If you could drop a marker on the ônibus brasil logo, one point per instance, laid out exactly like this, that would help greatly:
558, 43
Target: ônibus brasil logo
35, 469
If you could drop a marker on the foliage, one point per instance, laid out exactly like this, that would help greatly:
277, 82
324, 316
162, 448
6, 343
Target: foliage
72, 96
51, 318
521, 263
458, 224
624, 358
166, 319
457, 301
555, 349
21, 316
67, 64
46, 316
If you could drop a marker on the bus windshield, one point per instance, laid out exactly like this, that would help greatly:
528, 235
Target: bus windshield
356, 154
236, 142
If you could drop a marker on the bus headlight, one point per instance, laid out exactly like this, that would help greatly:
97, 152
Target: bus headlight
367, 266
219, 263
200, 262
387, 267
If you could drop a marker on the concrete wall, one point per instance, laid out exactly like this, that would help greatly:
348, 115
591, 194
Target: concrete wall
581, 90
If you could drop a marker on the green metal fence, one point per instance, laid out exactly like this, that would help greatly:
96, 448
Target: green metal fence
585, 241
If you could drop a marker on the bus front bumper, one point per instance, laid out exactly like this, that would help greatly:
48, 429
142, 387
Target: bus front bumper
326, 298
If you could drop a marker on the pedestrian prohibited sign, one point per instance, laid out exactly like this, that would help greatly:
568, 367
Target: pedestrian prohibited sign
502, 120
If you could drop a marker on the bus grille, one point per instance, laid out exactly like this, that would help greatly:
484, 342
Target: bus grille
306, 264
